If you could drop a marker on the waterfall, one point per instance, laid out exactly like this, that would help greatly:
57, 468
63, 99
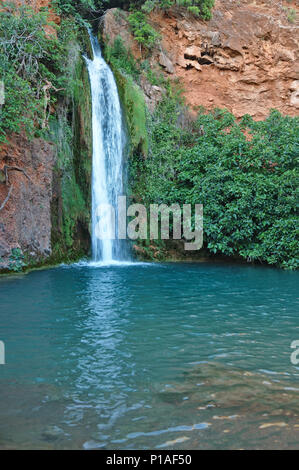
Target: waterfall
109, 140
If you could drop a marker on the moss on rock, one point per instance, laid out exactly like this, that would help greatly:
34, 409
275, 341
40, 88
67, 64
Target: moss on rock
71, 131
134, 106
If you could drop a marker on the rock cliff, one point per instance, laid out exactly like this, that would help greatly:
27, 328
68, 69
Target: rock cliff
25, 222
245, 59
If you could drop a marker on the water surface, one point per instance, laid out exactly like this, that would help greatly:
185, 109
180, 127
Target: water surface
174, 356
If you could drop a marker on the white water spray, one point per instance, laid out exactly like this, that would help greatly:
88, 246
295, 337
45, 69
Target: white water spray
109, 140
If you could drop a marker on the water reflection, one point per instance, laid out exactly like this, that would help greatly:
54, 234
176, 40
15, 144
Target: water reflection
101, 362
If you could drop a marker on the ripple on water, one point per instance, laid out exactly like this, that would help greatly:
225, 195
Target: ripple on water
149, 356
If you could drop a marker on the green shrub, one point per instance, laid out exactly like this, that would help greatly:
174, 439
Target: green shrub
245, 175
79, 10
196, 7
16, 260
194, 10
120, 58
143, 32
30, 59
83, 10
291, 15
150, 5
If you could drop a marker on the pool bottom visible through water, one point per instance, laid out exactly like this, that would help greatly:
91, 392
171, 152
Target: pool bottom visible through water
149, 356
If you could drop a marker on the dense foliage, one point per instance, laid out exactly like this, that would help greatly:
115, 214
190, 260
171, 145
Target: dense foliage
32, 67
121, 59
89, 8
245, 174
197, 7
143, 32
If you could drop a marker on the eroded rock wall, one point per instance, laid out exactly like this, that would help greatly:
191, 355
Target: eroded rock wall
25, 221
245, 59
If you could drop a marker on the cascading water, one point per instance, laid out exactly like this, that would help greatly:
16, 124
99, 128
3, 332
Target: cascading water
109, 140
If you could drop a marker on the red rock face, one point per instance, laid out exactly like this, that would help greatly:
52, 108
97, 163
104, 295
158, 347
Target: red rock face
25, 221
248, 57
245, 59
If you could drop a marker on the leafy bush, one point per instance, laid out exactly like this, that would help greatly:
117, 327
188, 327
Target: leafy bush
196, 7
16, 260
291, 15
143, 32
120, 58
83, 10
150, 5
19, 96
76, 9
30, 60
244, 174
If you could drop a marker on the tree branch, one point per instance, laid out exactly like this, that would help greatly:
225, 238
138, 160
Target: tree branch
7, 198
7, 168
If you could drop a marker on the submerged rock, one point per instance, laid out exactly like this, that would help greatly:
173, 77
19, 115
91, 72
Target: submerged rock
52, 433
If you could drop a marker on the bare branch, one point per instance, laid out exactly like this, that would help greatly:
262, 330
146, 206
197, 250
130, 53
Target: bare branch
7, 198
6, 169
